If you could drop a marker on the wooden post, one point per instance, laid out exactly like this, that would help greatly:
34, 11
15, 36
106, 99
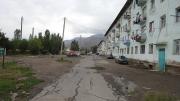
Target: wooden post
3, 58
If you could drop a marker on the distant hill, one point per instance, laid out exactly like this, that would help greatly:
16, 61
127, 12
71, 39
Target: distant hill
86, 42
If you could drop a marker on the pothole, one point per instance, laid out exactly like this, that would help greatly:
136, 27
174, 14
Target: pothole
97, 68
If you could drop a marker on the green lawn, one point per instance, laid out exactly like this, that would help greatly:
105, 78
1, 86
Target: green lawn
158, 96
16, 79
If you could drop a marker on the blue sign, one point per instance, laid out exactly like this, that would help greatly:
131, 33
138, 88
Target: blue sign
2, 51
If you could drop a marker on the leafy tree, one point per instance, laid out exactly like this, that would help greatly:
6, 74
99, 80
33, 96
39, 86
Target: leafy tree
35, 46
17, 34
23, 45
46, 41
4, 42
74, 45
55, 43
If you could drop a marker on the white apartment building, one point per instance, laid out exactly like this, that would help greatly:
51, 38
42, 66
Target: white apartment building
147, 30
101, 48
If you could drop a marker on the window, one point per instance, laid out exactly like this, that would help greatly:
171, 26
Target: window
124, 50
152, 4
142, 50
177, 47
134, 5
132, 50
162, 0
128, 50
150, 48
136, 31
178, 14
136, 49
151, 26
163, 21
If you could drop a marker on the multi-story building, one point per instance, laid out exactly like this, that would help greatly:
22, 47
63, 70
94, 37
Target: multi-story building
101, 48
147, 30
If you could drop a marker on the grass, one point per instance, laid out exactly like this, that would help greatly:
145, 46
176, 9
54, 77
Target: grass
16, 79
157, 96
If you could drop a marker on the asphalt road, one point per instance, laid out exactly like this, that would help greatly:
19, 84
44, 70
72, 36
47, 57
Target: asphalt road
81, 84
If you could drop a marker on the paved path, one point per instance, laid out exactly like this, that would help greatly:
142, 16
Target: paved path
81, 84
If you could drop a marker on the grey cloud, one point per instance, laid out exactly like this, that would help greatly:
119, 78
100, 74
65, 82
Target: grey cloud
96, 15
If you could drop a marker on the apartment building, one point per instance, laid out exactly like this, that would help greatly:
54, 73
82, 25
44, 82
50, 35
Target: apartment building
101, 48
146, 30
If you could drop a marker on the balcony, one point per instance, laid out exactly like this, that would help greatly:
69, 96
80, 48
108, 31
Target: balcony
126, 42
140, 20
141, 38
142, 2
128, 29
116, 44
127, 16
117, 35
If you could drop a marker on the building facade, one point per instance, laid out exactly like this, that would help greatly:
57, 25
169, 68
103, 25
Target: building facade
146, 30
101, 48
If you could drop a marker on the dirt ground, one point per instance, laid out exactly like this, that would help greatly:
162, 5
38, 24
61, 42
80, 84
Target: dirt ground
46, 68
145, 79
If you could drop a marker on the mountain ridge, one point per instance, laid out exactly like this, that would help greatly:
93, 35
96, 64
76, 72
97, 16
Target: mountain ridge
86, 42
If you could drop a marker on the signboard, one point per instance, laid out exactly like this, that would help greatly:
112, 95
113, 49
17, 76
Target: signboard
2, 51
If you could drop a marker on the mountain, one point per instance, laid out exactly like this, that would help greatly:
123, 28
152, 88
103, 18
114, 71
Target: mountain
86, 42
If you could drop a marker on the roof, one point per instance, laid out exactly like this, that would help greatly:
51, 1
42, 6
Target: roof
123, 10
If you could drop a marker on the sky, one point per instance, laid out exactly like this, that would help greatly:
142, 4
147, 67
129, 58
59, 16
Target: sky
83, 17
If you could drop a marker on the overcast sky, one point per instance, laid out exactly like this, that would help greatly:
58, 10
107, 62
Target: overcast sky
83, 16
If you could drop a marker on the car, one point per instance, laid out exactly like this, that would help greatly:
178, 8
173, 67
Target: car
73, 54
121, 60
97, 53
110, 56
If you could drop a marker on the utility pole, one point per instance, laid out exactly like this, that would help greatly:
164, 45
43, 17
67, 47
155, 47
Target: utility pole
80, 44
33, 32
64, 25
3, 58
21, 26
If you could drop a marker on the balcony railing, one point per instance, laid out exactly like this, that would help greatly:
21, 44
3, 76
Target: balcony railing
117, 35
128, 29
127, 16
142, 2
140, 20
126, 42
141, 38
116, 44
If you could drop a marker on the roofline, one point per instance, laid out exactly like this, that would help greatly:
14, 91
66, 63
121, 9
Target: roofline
127, 4
100, 42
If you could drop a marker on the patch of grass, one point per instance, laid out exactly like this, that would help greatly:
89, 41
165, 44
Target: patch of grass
15, 79
157, 96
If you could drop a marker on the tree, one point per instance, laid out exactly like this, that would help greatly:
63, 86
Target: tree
4, 42
94, 49
17, 34
23, 45
35, 46
74, 45
46, 40
55, 43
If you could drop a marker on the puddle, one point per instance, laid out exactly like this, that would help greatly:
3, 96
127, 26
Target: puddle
97, 68
120, 85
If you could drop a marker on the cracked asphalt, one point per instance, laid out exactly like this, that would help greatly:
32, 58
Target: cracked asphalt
81, 84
